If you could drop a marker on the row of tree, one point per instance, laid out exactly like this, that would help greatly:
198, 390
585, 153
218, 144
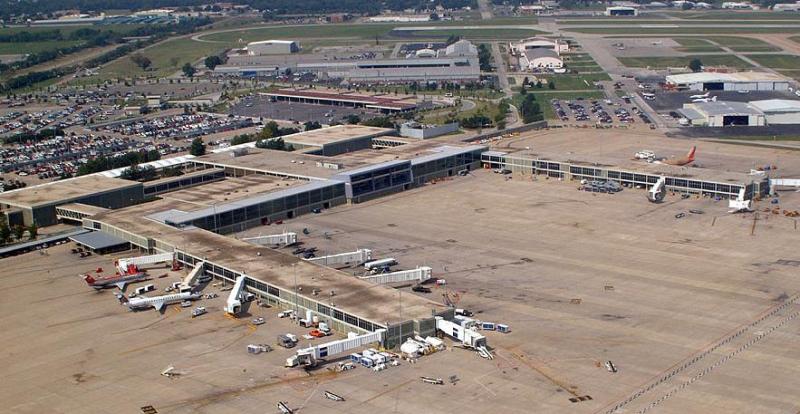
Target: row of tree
126, 160
18, 232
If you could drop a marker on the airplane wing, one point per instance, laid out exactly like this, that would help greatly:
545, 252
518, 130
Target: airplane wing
158, 305
121, 285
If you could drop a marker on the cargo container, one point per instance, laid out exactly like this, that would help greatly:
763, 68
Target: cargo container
503, 328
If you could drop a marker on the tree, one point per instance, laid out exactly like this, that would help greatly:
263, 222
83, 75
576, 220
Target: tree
212, 61
311, 125
696, 65
551, 85
33, 231
434, 17
353, 119
188, 70
530, 110
141, 61
19, 231
525, 81
198, 148
5, 233
452, 39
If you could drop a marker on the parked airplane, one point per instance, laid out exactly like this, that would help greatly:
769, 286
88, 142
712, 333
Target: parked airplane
711, 99
331, 396
157, 302
688, 159
284, 408
119, 280
705, 95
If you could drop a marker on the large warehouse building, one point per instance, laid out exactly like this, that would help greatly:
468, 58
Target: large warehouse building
621, 11
540, 59
739, 81
272, 47
718, 114
779, 111
756, 113
556, 45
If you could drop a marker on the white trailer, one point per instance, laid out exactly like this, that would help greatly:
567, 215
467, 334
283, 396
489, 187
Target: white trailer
310, 356
419, 274
359, 256
468, 337
287, 238
124, 265
238, 295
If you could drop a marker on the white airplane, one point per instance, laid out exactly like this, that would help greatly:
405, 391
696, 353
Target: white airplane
157, 302
331, 396
705, 95
711, 99
284, 408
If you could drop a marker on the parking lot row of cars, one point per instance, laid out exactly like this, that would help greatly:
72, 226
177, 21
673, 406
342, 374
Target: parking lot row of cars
31, 122
179, 126
597, 111
63, 155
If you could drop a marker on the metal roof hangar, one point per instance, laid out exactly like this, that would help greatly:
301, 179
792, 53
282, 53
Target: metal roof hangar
740, 81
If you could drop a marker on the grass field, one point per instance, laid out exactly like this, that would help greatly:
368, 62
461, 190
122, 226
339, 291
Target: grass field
790, 62
167, 57
662, 62
695, 30
362, 31
735, 16
568, 82
510, 34
66, 30
35, 47
616, 21
743, 44
696, 45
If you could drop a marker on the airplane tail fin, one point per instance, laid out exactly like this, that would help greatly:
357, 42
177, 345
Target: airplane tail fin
690, 155
713, 99
89, 279
121, 298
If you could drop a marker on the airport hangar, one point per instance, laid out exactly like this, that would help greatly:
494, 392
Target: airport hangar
755, 113
738, 81
264, 186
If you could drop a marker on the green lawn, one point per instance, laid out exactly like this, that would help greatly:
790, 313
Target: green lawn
35, 47
66, 30
743, 44
509, 34
696, 45
695, 30
735, 15
790, 62
369, 31
167, 57
662, 62
570, 82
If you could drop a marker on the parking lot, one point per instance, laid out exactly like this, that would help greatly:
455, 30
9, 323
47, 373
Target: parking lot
177, 126
598, 111
261, 107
